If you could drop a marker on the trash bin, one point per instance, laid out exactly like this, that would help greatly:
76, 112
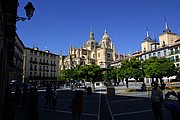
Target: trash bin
89, 90
111, 90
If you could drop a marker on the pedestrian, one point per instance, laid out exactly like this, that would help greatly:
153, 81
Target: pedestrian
48, 96
25, 96
157, 98
54, 98
17, 94
163, 85
33, 104
173, 105
77, 105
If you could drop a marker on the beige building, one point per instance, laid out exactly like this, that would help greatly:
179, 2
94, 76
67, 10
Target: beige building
40, 66
168, 46
102, 54
167, 38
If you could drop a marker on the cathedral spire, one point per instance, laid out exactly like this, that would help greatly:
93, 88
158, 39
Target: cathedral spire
166, 26
91, 36
147, 32
147, 35
91, 29
105, 31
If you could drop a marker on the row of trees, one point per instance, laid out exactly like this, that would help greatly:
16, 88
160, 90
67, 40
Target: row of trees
134, 68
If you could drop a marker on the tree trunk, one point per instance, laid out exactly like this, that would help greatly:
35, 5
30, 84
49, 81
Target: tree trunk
127, 85
93, 87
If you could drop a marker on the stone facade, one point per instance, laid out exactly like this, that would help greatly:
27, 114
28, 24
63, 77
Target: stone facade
168, 46
40, 66
16, 63
102, 54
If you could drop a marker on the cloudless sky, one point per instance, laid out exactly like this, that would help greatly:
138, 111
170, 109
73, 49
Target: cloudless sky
58, 24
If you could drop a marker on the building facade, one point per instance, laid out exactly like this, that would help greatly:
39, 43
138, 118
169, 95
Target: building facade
16, 61
8, 12
168, 46
40, 66
102, 54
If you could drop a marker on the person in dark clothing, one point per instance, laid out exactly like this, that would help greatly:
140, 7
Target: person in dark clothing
33, 104
48, 96
17, 94
77, 105
8, 108
173, 105
25, 96
54, 98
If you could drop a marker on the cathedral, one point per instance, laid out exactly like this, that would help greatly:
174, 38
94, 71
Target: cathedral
102, 54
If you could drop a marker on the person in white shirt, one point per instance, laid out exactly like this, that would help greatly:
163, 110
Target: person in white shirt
157, 98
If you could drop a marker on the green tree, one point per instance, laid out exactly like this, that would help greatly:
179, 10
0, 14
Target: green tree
158, 68
126, 71
150, 67
135, 68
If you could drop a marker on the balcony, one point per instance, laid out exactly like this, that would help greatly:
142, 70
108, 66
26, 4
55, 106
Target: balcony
53, 64
34, 62
43, 63
177, 60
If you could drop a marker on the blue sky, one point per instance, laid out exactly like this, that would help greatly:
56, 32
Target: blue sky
57, 24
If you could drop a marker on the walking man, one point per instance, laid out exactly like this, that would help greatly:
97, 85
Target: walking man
157, 98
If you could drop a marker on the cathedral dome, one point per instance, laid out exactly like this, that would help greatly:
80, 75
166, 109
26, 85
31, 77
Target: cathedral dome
90, 42
105, 36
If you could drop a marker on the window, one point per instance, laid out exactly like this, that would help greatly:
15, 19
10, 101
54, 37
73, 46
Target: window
176, 50
93, 56
149, 54
172, 58
154, 54
165, 53
108, 55
177, 64
159, 54
177, 58
98, 54
172, 52
97, 84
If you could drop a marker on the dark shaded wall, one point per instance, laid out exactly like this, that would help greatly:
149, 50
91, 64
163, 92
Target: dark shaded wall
8, 12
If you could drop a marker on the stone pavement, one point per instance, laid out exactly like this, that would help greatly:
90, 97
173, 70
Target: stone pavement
97, 107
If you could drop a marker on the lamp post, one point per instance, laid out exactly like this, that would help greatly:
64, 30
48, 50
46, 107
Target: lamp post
29, 8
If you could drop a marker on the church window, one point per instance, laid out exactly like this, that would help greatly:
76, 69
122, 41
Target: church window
108, 55
144, 49
163, 44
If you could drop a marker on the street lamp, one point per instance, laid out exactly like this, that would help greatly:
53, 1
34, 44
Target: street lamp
29, 12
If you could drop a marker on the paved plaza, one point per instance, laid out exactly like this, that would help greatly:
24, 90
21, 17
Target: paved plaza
100, 106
